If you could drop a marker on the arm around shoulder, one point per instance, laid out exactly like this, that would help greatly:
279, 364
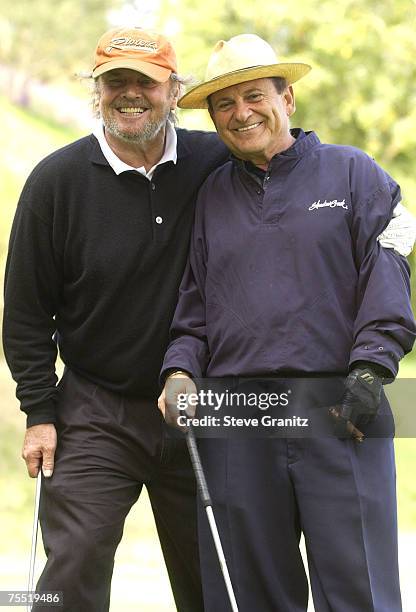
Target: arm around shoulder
384, 328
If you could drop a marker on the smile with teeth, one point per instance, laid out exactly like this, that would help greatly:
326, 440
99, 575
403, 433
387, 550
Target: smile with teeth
248, 127
132, 110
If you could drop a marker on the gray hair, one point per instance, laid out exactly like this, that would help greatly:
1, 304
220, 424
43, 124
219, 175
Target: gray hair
280, 84
181, 82
177, 84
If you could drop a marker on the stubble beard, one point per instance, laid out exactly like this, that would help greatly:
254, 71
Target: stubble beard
147, 132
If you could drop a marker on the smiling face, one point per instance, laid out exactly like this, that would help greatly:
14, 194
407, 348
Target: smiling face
134, 108
252, 119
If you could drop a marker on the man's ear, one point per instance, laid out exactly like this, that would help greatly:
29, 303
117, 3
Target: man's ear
211, 112
175, 93
96, 96
174, 96
289, 97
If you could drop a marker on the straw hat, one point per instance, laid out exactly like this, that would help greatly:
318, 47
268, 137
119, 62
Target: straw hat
243, 58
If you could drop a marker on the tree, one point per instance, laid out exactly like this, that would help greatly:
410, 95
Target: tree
44, 39
362, 89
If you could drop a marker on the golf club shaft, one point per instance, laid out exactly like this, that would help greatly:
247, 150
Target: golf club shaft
221, 558
198, 469
30, 587
206, 501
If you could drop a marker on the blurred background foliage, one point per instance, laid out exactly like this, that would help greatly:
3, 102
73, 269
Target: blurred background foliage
49, 37
361, 91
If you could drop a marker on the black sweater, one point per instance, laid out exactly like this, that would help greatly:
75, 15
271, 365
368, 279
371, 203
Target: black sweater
95, 260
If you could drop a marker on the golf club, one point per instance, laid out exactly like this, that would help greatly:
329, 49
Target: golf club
207, 503
34, 538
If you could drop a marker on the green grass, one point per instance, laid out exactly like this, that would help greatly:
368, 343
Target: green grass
406, 462
25, 139
406, 489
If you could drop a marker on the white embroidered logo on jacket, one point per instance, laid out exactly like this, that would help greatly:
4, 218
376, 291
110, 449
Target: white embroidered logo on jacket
328, 204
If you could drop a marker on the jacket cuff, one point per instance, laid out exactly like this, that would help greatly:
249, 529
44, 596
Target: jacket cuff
166, 373
378, 349
378, 369
185, 353
41, 414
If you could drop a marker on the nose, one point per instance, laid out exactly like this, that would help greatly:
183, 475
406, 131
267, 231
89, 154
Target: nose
242, 111
133, 89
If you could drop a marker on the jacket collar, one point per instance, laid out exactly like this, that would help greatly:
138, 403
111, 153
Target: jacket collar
303, 143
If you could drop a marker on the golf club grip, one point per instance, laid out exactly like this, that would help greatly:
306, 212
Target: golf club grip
198, 469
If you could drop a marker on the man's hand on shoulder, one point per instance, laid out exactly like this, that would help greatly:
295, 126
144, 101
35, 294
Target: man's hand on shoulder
173, 401
400, 234
39, 449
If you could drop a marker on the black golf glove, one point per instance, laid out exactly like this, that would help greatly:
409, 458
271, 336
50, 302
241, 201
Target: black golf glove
361, 399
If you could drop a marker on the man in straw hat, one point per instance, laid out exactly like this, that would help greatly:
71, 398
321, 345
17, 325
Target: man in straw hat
97, 251
286, 278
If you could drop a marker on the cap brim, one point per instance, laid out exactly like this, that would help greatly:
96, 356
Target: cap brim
197, 97
158, 73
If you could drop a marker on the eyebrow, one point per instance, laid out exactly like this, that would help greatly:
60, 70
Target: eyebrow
247, 92
224, 98
112, 77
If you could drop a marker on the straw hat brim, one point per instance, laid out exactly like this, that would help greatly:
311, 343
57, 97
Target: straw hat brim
197, 97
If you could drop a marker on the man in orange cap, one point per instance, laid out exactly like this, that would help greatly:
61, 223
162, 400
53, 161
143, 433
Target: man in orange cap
97, 251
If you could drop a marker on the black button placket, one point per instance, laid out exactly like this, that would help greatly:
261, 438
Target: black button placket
158, 220
259, 196
255, 185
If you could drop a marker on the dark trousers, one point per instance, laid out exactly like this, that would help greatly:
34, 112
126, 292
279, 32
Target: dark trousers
341, 495
108, 448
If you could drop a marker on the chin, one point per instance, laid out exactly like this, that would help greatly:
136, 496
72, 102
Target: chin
246, 152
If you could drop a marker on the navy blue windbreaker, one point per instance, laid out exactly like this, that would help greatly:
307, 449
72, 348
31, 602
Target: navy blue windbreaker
287, 275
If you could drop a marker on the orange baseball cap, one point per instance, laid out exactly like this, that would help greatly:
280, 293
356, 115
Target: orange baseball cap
142, 50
